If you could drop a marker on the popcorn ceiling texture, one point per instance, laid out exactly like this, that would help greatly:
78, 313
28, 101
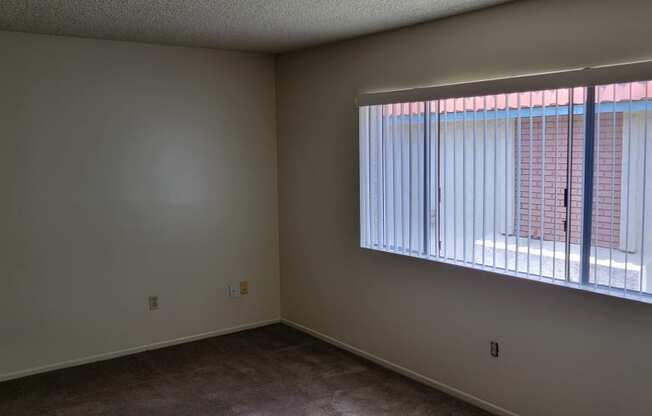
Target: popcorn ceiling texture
255, 25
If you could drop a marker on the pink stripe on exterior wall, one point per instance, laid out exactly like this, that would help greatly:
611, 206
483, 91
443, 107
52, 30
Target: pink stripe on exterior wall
606, 94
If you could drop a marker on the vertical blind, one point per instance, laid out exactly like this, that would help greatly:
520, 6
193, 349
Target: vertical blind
546, 184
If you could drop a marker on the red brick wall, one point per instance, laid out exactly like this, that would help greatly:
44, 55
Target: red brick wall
606, 194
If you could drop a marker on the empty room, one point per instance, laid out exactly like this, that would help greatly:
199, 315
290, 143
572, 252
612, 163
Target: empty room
325, 208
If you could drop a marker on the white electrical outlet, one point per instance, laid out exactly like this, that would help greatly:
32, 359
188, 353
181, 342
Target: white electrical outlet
233, 291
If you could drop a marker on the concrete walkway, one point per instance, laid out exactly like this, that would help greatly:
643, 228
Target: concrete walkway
611, 267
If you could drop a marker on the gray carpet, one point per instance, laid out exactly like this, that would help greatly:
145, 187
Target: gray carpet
274, 370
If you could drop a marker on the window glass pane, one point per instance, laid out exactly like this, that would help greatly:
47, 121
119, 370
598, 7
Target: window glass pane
619, 247
392, 177
503, 171
543, 167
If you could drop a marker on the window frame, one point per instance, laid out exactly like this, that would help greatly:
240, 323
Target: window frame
590, 79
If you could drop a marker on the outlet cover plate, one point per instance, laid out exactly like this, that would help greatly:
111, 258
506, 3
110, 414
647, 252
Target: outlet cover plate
233, 291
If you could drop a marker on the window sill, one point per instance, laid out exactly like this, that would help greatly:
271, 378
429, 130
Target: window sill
629, 294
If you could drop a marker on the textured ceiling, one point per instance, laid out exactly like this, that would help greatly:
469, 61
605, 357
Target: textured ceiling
255, 25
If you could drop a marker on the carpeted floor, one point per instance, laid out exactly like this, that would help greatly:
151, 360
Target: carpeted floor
274, 370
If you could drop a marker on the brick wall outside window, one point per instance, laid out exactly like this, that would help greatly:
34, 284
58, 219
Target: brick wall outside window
551, 157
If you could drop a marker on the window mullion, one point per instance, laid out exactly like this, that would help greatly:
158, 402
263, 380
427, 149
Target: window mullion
568, 193
589, 150
426, 181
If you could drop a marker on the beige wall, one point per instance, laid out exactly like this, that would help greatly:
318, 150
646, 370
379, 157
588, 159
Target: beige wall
128, 170
564, 352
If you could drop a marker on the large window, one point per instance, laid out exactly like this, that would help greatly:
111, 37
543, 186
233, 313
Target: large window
549, 184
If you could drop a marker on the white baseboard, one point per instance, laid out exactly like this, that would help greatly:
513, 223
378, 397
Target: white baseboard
469, 398
133, 350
